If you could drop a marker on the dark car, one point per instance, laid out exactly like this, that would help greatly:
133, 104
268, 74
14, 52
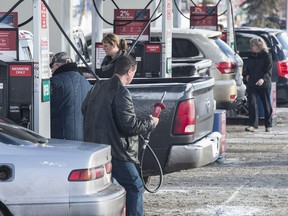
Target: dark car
277, 41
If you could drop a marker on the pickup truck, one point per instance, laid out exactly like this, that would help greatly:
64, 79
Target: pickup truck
183, 138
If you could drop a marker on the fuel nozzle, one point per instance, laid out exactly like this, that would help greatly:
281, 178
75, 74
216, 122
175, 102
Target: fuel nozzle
159, 106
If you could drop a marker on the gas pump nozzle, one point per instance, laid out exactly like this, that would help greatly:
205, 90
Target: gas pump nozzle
158, 107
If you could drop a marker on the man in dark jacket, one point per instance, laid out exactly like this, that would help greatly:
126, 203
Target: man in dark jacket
68, 91
109, 118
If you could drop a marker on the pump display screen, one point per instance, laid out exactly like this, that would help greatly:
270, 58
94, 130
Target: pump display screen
8, 20
11, 19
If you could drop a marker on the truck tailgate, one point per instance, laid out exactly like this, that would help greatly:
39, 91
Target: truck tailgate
147, 92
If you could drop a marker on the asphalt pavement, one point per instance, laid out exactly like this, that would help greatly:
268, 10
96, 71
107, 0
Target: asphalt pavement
252, 180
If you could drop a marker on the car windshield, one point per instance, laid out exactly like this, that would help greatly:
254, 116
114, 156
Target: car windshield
16, 135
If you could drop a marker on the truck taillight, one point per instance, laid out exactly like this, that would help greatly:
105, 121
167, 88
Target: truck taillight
184, 122
226, 67
87, 174
283, 68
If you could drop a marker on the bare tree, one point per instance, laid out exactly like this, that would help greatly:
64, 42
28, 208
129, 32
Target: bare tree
261, 13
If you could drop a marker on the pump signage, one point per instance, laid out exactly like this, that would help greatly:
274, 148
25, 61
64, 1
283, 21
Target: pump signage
152, 48
20, 70
129, 23
203, 17
8, 44
99, 55
43, 16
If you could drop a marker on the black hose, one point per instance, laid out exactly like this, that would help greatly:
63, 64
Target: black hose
146, 144
180, 10
70, 42
25, 22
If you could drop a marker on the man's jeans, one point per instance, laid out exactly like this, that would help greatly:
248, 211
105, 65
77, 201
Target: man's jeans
127, 175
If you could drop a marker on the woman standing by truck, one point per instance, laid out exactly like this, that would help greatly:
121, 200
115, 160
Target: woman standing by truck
258, 77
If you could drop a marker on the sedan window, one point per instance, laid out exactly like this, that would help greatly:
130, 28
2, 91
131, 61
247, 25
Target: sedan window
14, 135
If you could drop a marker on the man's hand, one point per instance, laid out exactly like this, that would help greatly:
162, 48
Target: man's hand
155, 120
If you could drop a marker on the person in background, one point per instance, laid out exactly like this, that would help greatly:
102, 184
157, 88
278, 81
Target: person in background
113, 47
109, 118
68, 91
258, 76
221, 28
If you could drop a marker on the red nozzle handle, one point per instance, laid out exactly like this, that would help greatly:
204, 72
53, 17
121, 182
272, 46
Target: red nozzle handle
158, 107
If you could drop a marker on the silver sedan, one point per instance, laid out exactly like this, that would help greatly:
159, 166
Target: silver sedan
55, 177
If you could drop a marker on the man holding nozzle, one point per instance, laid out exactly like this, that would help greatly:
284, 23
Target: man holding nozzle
109, 118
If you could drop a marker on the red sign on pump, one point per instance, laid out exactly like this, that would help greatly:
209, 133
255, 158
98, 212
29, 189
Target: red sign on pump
204, 17
152, 48
20, 70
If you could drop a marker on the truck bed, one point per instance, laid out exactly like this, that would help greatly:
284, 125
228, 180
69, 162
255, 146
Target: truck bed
147, 92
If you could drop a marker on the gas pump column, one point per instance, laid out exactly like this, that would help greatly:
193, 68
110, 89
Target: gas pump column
166, 69
41, 69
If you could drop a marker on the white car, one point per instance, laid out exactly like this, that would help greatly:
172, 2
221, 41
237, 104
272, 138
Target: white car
227, 66
55, 177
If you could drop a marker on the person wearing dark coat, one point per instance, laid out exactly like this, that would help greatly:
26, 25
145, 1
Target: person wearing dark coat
114, 48
258, 77
109, 118
68, 91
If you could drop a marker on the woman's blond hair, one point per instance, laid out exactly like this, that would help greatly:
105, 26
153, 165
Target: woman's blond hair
260, 43
113, 39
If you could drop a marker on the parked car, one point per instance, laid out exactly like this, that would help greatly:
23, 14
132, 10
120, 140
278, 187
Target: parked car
40, 176
194, 45
277, 41
229, 90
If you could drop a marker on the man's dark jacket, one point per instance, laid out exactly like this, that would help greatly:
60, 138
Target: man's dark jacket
68, 91
109, 118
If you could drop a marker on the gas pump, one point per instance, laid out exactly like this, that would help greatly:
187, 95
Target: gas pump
148, 57
145, 53
24, 85
16, 79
